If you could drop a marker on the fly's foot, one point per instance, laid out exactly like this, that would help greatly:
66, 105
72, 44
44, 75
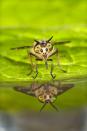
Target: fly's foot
34, 77
53, 76
29, 73
64, 71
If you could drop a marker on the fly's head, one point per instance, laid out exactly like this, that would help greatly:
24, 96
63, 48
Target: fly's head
43, 48
46, 93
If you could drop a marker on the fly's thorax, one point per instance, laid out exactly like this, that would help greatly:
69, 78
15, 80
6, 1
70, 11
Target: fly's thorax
46, 94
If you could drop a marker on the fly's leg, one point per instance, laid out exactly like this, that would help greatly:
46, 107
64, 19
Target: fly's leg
56, 108
52, 67
46, 64
58, 58
55, 52
36, 68
51, 71
42, 107
32, 65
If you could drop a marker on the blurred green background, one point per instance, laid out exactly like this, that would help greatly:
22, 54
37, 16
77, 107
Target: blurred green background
43, 14
23, 21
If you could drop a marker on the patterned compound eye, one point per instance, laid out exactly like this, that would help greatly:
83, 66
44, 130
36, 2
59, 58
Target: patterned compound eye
54, 91
41, 98
41, 50
49, 46
46, 49
37, 49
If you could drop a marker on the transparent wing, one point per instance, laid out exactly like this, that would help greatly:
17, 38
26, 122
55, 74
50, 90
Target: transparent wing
25, 90
30, 90
23, 47
64, 87
61, 42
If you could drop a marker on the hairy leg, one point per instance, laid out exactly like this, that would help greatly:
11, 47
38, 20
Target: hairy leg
58, 62
51, 71
33, 66
36, 70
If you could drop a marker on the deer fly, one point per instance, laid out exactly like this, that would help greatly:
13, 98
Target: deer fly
42, 51
46, 93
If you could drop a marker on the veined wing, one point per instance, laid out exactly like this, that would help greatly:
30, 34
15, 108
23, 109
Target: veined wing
64, 87
61, 42
25, 90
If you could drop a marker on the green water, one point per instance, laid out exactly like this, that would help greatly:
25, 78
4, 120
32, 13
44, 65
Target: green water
13, 101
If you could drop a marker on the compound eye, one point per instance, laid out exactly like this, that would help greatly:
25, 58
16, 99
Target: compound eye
37, 48
49, 45
53, 91
41, 98
46, 49
41, 50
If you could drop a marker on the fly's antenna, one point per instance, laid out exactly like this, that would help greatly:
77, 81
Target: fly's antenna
37, 41
49, 39
42, 107
54, 106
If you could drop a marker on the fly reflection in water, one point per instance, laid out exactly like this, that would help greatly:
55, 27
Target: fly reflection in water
46, 93
43, 51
